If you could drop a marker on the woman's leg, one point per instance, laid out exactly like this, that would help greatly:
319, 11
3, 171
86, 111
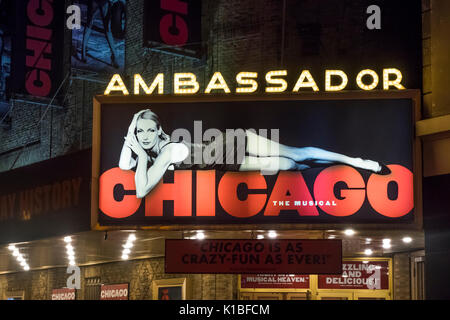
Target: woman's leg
106, 18
263, 147
92, 13
270, 164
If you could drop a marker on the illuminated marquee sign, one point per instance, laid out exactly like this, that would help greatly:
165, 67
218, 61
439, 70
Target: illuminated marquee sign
169, 161
247, 82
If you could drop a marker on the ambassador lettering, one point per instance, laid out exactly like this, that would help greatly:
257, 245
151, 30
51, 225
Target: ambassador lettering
248, 82
289, 187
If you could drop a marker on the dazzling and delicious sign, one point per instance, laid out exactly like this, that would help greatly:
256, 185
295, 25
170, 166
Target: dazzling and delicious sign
342, 158
253, 256
278, 281
358, 275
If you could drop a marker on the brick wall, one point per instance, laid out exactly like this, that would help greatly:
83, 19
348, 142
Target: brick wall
249, 41
401, 273
238, 36
436, 64
426, 59
140, 275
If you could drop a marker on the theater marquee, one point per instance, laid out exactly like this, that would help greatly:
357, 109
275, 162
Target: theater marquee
287, 160
250, 82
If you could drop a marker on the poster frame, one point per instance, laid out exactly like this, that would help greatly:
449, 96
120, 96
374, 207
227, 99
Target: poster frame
174, 282
413, 94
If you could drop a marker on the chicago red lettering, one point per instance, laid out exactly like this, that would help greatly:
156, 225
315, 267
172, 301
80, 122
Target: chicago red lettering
180, 192
353, 197
293, 183
380, 201
39, 33
173, 28
290, 188
206, 190
107, 203
228, 195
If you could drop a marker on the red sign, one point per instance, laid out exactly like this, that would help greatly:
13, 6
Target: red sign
63, 294
254, 256
278, 281
358, 275
293, 183
114, 292
173, 26
220, 188
38, 35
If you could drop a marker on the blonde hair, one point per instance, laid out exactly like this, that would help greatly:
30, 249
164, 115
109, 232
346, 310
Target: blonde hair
153, 116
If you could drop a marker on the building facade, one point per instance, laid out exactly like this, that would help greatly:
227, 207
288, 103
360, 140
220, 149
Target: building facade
230, 37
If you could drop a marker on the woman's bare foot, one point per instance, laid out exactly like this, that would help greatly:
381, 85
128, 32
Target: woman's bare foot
367, 165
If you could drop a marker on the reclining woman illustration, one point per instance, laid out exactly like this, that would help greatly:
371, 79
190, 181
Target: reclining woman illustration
152, 152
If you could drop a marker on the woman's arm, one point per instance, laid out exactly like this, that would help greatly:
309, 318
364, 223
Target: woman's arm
126, 162
145, 179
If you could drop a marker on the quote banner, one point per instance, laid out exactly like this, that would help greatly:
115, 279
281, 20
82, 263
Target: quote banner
254, 256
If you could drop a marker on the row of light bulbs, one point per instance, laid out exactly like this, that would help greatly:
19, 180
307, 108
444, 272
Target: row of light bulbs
186, 83
70, 251
20, 259
127, 246
386, 242
349, 232
200, 235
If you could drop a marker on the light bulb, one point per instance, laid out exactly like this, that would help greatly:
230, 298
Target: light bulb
272, 234
349, 232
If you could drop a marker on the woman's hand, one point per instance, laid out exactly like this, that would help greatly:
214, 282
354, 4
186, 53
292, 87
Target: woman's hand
132, 143
132, 126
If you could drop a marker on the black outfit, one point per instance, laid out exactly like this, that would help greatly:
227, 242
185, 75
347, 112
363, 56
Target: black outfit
229, 156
